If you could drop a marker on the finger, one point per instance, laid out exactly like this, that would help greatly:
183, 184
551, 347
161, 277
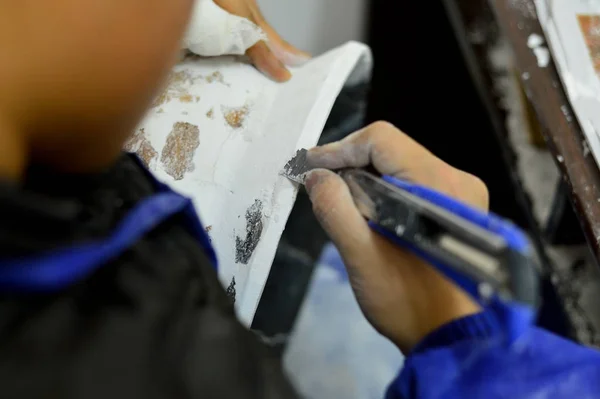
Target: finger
335, 210
265, 61
389, 150
283, 50
369, 259
380, 144
394, 153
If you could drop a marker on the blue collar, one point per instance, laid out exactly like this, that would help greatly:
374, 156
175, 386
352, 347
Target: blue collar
63, 267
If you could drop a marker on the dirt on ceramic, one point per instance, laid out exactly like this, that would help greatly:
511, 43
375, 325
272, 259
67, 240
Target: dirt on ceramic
244, 247
178, 153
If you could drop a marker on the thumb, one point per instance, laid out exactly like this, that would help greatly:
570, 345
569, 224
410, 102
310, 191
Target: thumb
335, 210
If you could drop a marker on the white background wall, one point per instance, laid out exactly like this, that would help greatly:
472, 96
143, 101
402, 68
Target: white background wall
317, 25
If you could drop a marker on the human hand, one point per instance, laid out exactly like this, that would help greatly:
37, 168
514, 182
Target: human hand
272, 58
403, 297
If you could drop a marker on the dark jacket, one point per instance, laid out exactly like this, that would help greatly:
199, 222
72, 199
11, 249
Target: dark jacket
151, 322
149, 319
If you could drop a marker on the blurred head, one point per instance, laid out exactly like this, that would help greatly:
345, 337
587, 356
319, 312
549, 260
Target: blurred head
76, 76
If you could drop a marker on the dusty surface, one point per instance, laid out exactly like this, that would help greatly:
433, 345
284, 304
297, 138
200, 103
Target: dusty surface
139, 144
186, 98
178, 79
178, 153
177, 87
216, 77
147, 153
235, 117
161, 99
244, 247
133, 142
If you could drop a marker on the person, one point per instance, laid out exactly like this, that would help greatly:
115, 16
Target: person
107, 280
454, 347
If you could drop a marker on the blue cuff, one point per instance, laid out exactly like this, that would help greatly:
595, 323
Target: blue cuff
478, 326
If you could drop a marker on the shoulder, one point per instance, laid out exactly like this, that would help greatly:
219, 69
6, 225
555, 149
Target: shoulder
538, 364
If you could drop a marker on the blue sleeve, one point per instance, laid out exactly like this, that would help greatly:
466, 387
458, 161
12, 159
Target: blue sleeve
468, 358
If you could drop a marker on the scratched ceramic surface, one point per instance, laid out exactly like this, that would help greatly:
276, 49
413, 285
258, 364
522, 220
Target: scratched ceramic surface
572, 29
221, 132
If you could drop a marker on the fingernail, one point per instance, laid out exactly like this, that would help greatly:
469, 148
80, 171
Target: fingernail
293, 59
287, 74
283, 73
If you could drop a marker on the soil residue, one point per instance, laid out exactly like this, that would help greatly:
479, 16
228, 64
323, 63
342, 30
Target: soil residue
590, 26
139, 144
244, 247
216, 77
161, 100
147, 153
235, 117
133, 142
210, 114
186, 98
178, 153
178, 84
